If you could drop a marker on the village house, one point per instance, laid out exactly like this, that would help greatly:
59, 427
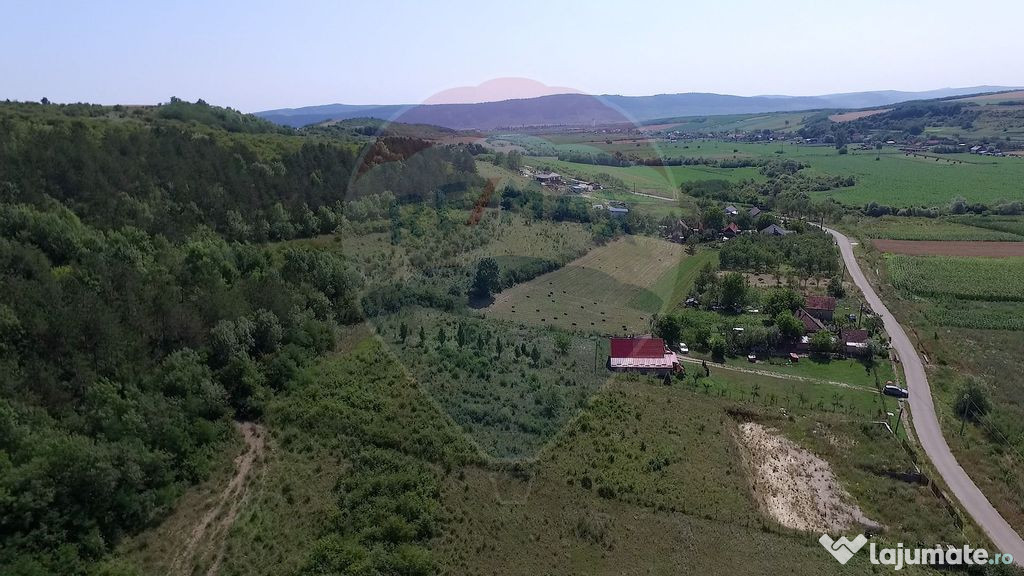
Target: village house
731, 210
754, 212
644, 355
821, 307
731, 230
548, 178
811, 324
775, 230
855, 342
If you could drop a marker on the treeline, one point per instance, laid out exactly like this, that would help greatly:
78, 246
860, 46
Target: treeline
957, 206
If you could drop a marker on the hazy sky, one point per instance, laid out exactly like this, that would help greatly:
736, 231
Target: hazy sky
254, 55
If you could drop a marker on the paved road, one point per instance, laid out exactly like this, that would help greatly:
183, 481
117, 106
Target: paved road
926, 424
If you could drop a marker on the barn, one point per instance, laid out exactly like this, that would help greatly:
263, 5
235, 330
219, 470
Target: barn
644, 355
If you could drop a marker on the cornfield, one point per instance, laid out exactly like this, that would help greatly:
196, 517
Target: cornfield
986, 279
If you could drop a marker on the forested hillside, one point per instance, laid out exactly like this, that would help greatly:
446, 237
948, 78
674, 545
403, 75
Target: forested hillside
142, 308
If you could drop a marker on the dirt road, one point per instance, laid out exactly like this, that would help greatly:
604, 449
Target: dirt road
207, 539
926, 423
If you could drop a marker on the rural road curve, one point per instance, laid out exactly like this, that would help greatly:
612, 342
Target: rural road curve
926, 423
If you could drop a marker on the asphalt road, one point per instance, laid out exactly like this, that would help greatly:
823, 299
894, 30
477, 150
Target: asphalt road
926, 424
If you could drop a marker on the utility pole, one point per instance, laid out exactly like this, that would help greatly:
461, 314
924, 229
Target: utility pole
896, 430
963, 417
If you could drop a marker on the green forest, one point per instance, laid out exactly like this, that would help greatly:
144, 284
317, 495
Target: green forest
144, 304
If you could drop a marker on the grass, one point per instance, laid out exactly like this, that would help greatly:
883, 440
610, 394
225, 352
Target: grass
614, 288
649, 479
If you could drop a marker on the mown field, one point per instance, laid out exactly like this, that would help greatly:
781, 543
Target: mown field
613, 289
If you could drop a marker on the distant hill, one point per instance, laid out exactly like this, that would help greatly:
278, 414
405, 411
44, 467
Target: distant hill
583, 109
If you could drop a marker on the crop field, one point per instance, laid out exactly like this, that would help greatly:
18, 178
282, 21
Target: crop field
937, 229
613, 289
967, 278
1008, 224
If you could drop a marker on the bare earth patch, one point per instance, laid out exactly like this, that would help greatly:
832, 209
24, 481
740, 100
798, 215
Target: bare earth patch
951, 248
795, 487
856, 115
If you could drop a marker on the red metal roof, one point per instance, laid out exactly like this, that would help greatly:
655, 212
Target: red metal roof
820, 303
637, 348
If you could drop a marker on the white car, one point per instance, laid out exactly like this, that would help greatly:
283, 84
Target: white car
683, 349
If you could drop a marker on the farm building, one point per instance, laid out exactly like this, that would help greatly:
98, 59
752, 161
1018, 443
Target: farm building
855, 342
548, 178
775, 230
731, 210
618, 210
821, 307
811, 324
754, 212
731, 230
646, 355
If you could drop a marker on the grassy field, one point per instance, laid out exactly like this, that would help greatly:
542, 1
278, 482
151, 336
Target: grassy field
613, 289
887, 176
649, 480
658, 180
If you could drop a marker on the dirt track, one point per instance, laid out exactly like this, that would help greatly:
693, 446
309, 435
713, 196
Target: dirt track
207, 539
951, 248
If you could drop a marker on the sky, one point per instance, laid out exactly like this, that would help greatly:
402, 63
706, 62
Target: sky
256, 55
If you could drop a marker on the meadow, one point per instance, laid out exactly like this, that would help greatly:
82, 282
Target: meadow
650, 479
615, 288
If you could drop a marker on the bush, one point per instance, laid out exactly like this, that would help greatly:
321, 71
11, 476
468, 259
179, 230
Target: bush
717, 345
972, 401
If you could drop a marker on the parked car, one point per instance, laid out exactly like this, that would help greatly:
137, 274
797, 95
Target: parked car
683, 349
895, 391
751, 357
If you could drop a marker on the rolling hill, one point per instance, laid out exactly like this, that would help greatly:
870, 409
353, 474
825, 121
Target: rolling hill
583, 109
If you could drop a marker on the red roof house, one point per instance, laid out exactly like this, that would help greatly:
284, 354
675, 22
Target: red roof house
821, 307
731, 230
641, 354
811, 324
855, 342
